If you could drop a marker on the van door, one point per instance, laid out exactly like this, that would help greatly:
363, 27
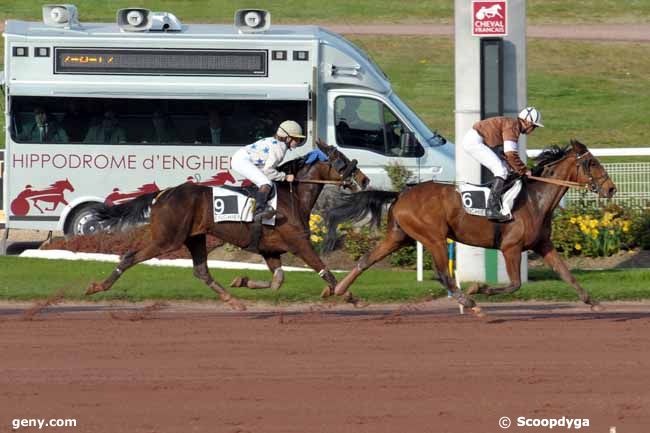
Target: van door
368, 129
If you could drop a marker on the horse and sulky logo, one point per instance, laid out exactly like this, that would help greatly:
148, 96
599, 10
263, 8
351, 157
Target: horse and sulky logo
489, 18
218, 179
118, 197
20, 206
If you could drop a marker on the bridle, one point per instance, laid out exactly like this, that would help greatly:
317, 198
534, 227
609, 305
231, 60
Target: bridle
585, 161
346, 171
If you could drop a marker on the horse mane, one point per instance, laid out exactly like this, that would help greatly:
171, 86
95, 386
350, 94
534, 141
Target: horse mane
293, 166
549, 155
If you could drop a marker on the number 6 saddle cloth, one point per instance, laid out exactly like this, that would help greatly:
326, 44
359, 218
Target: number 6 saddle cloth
237, 204
475, 197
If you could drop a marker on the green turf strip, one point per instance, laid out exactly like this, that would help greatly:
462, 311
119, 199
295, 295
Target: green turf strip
27, 279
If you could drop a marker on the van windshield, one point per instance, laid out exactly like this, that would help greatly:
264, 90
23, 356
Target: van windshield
431, 138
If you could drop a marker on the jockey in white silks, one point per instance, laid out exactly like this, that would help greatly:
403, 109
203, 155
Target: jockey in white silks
258, 162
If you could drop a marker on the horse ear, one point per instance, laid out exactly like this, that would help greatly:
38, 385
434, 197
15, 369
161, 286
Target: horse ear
577, 146
322, 145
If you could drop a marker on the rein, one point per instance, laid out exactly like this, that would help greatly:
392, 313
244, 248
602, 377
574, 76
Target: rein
327, 182
560, 182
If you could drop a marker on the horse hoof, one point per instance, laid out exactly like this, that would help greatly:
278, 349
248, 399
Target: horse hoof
357, 302
478, 312
597, 308
236, 305
239, 282
94, 288
327, 292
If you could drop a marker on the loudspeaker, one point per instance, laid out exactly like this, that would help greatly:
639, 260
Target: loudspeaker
134, 19
252, 20
64, 15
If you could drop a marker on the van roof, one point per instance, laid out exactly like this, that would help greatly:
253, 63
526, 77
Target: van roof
216, 31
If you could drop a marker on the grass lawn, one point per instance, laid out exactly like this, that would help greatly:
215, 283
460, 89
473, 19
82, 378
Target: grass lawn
342, 11
595, 91
27, 279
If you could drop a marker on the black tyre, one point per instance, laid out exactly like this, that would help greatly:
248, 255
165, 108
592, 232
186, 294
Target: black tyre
84, 222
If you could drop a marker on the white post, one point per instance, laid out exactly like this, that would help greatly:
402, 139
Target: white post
420, 261
471, 262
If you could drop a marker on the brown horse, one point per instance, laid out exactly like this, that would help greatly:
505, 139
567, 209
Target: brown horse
183, 215
432, 212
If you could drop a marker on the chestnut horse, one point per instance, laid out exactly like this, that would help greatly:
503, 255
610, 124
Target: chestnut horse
431, 212
183, 215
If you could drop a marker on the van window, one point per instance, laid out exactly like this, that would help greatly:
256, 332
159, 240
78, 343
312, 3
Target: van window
149, 121
369, 124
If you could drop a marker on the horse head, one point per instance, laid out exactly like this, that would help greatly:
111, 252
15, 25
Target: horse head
577, 164
226, 176
62, 185
340, 168
591, 172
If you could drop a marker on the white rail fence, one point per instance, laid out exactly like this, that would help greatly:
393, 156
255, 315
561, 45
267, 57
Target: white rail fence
632, 181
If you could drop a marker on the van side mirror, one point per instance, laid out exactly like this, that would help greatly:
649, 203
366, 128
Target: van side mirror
409, 145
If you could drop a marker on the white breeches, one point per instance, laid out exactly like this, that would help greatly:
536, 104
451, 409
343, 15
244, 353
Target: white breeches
242, 164
474, 146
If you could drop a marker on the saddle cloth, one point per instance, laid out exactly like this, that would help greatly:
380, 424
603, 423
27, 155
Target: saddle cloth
475, 198
232, 204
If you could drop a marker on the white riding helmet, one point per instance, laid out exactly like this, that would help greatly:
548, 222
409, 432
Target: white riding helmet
290, 128
532, 115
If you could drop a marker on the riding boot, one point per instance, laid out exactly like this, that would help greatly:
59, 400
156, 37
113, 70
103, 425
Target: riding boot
262, 211
493, 211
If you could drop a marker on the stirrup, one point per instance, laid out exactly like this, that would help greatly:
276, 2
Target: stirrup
499, 217
265, 214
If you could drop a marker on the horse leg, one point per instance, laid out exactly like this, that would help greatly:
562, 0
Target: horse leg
438, 250
197, 246
37, 206
305, 251
512, 258
128, 260
274, 262
553, 260
394, 240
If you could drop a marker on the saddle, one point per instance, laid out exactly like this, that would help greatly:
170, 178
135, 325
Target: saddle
475, 197
249, 191
237, 204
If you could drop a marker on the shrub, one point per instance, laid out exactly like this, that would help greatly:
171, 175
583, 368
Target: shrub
317, 230
398, 175
641, 229
595, 233
407, 258
358, 241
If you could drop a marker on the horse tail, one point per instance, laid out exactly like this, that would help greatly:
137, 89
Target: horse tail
126, 214
355, 207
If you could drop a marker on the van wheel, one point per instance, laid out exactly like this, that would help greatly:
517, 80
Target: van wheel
84, 222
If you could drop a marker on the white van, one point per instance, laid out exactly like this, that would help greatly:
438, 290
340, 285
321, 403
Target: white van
147, 102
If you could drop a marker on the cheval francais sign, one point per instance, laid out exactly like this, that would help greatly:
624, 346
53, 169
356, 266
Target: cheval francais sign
489, 18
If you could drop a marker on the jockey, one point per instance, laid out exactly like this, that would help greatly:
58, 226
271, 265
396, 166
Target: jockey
258, 162
486, 135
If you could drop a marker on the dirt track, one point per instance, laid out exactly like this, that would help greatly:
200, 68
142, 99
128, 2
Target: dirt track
201, 369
